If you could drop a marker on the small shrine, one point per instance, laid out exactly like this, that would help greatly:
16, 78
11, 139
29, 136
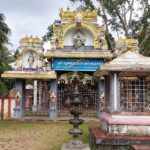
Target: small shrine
124, 119
31, 67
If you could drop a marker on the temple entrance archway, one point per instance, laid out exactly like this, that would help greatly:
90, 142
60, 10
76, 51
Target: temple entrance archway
88, 87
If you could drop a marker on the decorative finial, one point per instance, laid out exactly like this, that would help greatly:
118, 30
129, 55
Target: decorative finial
61, 9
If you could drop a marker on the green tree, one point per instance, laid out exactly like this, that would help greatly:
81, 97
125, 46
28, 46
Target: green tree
3, 89
16, 54
124, 16
5, 56
144, 33
4, 32
49, 33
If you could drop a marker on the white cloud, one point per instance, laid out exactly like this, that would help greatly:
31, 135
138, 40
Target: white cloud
30, 17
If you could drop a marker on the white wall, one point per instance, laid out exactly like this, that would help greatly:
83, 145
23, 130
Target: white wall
12, 107
5, 108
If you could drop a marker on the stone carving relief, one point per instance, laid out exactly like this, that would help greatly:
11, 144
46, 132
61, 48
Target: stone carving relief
78, 40
18, 98
31, 60
53, 99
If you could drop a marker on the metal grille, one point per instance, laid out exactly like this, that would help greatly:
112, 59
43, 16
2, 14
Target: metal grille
89, 96
135, 94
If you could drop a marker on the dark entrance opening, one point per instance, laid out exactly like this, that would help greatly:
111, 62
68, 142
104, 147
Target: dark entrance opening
88, 87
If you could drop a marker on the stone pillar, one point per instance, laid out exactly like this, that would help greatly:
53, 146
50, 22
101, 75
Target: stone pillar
101, 91
107, 92
53, 104
46, 91
114, 92
40, 95
34, 107
43, 94
20, 109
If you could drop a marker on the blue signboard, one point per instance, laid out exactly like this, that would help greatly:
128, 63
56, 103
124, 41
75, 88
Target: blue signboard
76, 64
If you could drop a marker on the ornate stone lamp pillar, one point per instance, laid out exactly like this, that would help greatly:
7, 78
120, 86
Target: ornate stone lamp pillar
75, 143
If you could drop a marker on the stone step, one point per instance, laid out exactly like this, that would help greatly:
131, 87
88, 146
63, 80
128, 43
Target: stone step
141, 147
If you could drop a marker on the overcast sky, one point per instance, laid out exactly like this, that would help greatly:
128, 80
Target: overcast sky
30, 17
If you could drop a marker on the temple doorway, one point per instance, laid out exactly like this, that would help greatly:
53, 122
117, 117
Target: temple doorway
88, 87
37, 97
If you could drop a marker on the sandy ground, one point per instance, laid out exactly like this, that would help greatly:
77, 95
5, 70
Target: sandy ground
35, 136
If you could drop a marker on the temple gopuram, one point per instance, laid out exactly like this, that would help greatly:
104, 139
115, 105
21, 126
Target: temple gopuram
114, 86
78, 48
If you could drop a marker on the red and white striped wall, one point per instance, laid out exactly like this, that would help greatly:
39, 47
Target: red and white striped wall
6, 107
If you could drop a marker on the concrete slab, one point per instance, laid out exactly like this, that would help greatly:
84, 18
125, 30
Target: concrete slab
67, 147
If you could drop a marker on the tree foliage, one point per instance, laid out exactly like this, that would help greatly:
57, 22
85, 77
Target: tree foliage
5, 56
3, 89
131, 17
4, 32
49, 33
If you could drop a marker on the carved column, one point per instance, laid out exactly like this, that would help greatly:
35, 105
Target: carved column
53, 99
34, 107
19, 99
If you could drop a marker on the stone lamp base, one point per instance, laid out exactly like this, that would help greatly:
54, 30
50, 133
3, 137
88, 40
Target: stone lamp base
75, 145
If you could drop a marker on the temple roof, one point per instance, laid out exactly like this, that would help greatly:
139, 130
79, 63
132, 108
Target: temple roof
78, 54
31, 39
29, 75
128, 62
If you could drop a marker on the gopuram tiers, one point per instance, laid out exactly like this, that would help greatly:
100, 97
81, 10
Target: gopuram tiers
78, 35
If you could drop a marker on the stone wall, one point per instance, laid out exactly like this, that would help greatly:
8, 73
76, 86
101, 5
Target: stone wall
6, 107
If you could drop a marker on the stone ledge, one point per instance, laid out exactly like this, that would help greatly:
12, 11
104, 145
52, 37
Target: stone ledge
100, 137
125, 120
141, 147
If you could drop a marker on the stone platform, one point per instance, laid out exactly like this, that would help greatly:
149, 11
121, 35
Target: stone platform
125, 124
101, 138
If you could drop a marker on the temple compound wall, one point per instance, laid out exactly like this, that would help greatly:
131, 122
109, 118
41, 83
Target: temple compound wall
6, 107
